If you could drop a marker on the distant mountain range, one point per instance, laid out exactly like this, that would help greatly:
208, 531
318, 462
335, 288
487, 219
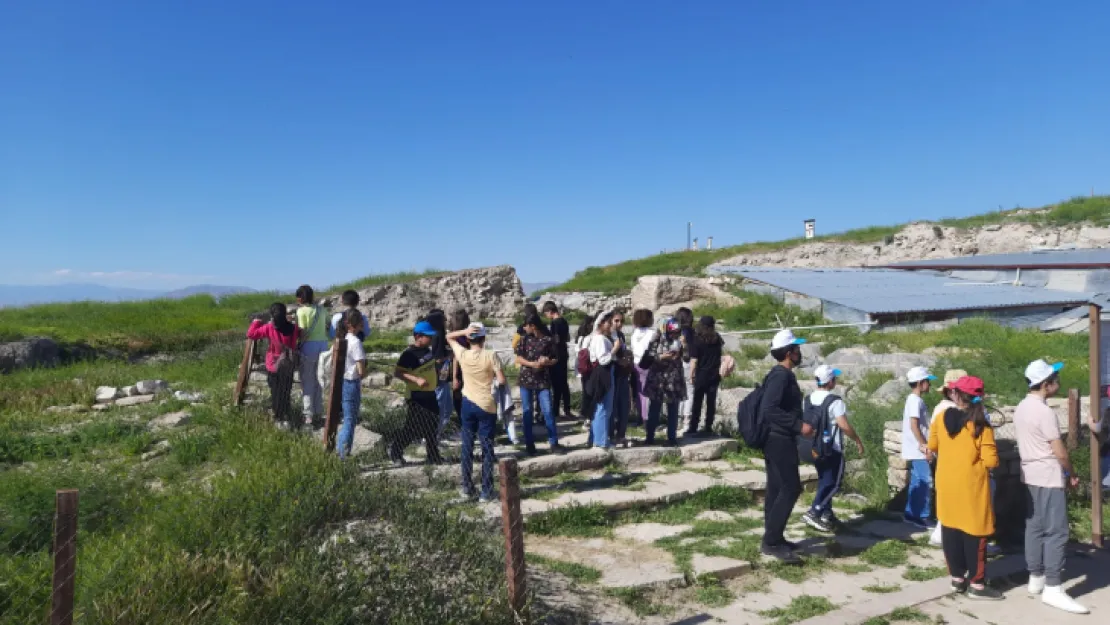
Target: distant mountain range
23, 295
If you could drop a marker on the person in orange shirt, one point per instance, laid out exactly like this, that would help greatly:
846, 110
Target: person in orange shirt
966, 452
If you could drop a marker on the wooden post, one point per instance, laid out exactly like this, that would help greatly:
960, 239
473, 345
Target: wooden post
65, 557
244, 373
1095, 349
1073, 419
513, 524
335, 397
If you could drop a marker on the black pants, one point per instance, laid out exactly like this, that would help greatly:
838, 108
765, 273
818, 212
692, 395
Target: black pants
784, 486
965, 554
560, 388
704, 392
422, 421
281, 387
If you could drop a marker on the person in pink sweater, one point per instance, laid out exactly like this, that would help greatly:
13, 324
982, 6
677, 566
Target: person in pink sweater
281, 333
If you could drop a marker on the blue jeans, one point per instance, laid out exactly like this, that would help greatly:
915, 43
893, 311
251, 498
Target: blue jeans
603, 412
830, 473
655, 408
352, 401
446, 400
527, 402
622, 405
919, 496
474, 419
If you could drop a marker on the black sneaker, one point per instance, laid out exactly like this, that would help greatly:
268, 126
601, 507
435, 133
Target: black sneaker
782, 553
986, 593
830, 519
531, 451
558, 449
959, 587
816, 523
792, 546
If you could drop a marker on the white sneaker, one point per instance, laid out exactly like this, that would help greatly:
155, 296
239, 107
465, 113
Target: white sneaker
1036, 584
1056, 597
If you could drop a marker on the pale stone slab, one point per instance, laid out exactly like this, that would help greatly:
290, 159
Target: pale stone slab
751, 479
649, 532
170, 420
622, 565
135, 400
709, 450
714, 515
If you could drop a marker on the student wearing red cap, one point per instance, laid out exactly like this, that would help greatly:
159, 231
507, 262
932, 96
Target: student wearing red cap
966, 452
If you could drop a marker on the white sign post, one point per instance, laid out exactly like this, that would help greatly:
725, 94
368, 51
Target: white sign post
810, 224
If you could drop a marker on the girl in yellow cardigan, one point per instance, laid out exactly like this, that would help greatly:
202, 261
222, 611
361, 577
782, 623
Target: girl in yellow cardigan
966, 452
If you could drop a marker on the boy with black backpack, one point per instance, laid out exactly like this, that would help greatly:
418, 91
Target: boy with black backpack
827, 414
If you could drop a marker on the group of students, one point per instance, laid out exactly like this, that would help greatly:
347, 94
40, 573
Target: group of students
675, 367
956, 440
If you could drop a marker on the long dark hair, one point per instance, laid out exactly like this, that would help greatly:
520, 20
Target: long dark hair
585, 328
976, 414
685, 317
706, 330
460, 320
279, 316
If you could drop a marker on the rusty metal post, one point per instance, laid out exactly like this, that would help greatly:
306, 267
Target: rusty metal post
513, 524
244, 373
65, 557
1095, 365
1073, 419
335, 396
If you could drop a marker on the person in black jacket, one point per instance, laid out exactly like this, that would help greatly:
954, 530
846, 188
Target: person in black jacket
782, 412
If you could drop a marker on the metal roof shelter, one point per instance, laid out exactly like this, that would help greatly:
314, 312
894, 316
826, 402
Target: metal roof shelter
1098, 258
889, 295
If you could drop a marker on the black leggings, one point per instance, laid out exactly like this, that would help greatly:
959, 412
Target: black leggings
707, 393
560, 388
784, 486
281, 387
966, 555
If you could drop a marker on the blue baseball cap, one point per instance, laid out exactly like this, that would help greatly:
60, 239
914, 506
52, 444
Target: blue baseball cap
425, 328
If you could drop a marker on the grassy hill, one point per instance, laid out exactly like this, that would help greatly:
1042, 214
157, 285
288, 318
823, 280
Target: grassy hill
621, 277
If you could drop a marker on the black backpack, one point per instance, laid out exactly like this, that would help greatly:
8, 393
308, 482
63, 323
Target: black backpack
749, 418
820, 445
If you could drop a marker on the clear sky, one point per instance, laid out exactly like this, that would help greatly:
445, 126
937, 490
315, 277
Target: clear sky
266, 144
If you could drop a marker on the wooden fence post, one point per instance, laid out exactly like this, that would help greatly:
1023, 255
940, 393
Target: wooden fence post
335, 396
1094, 340
244, 373
1073, 419
513, 524
65, 557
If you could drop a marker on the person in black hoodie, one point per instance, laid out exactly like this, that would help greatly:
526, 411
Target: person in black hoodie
782, 412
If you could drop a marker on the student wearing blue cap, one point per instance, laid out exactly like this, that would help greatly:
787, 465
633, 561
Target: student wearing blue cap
828, 414
417, 368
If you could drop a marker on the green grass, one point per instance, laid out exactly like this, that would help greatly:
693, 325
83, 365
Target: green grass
801, 608
578, 572
234, 532
854, 569
671, 461
882, 589
710, 592
924, 574
902, 615
722, 498
759, 311
887, 554
574, 521
621, 277
639, 601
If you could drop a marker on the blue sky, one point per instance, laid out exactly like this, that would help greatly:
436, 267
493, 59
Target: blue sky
158, 144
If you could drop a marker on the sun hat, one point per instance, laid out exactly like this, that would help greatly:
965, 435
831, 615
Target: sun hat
785, 338
952, 375
968, 384
917, 374
825, 374
477, 330
1038, 371
424, 328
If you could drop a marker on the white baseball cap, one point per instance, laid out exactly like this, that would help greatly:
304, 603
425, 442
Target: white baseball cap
1038, 371
785, 338
917, 374
477, 330
825, 374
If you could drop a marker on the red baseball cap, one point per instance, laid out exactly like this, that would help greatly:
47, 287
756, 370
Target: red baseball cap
968, 384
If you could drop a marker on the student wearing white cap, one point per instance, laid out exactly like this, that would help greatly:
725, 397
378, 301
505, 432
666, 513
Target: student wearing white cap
828, 415
781, 409
1046, 470
915, 449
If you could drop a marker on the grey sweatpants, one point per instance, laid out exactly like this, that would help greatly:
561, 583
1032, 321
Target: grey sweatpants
1046, 532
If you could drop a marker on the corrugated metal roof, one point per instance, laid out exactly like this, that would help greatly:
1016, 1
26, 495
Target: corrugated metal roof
889, 291
1037, 259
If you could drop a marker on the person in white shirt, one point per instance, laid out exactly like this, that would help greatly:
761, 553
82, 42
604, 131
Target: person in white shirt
830, 468
642, 338
915, 450
354, 370
602, 350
